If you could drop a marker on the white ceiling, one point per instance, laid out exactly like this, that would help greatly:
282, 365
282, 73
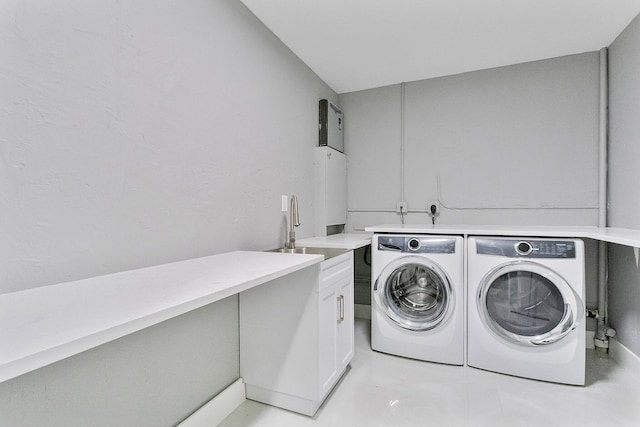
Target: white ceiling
361, 44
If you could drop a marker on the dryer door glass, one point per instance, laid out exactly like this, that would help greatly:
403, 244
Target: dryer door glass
525, 303
415, 293
528, 304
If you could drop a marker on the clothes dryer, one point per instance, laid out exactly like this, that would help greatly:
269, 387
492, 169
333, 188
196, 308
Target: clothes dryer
526, 307
417, 305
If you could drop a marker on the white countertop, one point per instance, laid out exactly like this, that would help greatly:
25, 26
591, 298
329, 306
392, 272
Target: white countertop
341, 241
621, 236
43, 325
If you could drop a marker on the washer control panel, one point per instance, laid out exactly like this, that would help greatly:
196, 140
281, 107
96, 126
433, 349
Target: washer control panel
417, 244
527, 248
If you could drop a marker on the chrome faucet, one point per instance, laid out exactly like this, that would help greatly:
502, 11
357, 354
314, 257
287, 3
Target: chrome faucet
294, 221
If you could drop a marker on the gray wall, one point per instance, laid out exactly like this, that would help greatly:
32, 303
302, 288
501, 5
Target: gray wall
137, 133
501, 142
624, 176
134, 134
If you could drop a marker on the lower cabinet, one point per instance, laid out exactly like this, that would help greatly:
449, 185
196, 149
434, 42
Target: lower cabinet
335, 318
296, 335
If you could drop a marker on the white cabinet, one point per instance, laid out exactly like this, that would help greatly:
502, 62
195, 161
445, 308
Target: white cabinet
296, 335
330, 172
336, 318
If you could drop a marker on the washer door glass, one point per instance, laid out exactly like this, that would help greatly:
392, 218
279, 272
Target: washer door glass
528, 304
415, 293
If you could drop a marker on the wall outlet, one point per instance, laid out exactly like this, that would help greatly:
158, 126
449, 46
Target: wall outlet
285, 203
402, 207
433, 208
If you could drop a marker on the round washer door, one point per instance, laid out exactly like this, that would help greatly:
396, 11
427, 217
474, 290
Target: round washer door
528, 304
415, 293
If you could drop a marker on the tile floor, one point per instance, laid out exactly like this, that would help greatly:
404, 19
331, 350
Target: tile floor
384, 390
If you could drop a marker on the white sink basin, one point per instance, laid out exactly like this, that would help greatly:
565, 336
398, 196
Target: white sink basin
327, 252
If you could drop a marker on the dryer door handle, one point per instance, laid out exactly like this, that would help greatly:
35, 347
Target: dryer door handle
566, 325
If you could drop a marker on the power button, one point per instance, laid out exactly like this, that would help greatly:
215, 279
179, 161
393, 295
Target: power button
414, 244
523, 248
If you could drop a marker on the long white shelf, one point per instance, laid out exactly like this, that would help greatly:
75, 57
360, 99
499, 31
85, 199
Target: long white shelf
621, 236
44, 325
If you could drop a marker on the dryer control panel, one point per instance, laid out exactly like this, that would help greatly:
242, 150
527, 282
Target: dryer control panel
527, 248
417, 244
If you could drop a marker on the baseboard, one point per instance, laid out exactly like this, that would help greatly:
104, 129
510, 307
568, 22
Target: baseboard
362, 311
217, 409
282, 400
624, 357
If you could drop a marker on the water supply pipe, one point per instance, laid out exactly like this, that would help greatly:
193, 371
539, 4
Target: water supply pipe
603, 331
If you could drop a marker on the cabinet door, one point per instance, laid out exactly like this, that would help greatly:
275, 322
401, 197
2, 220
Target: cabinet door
344, 333
328, 366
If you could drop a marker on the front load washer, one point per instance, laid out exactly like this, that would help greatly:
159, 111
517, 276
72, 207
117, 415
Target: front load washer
417, 305
525, 307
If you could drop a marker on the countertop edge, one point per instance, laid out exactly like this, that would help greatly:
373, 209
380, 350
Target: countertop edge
621, 236
350, 241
